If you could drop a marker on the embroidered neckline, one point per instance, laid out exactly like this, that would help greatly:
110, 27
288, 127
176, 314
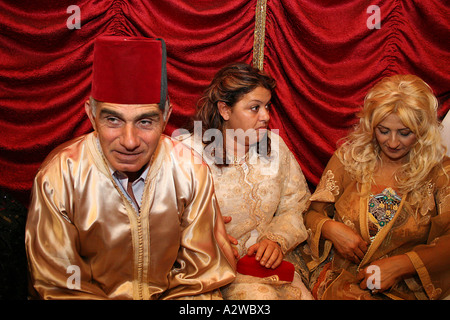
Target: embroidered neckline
382, 209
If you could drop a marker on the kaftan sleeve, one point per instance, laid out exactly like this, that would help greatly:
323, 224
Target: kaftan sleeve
287, 227
205, 259
432, 261
57, 270
321, 208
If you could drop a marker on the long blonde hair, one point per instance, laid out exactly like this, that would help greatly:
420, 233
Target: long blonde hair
412, 100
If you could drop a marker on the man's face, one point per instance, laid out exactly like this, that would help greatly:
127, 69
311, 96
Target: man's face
128, 134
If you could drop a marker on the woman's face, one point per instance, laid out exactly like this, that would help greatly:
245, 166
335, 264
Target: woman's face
394, 139
250, 115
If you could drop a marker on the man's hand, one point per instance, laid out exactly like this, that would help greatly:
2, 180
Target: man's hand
227, 219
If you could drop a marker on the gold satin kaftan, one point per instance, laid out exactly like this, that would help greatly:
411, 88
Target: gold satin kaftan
421, 232
79, 220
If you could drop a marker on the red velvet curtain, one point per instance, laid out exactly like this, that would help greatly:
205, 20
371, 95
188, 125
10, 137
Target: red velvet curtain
322, 54
325, 59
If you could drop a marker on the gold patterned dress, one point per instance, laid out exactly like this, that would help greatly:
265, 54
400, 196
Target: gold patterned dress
266, 199
391, 226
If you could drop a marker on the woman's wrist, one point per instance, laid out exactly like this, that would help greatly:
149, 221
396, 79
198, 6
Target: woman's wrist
327, 227
405, 266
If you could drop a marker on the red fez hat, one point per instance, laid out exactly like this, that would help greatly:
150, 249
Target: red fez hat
129, 70
249, 266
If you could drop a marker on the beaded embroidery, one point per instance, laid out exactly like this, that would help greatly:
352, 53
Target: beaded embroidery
383, 208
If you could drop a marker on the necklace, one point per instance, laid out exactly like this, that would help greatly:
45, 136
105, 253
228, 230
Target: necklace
382, 207
238, 161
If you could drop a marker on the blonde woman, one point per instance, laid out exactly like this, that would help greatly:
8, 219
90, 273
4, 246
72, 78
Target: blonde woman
380, 216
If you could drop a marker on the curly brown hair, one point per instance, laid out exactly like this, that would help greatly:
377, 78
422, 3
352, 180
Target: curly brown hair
229, 85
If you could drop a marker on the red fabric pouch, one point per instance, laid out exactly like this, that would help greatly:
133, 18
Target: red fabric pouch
248, 265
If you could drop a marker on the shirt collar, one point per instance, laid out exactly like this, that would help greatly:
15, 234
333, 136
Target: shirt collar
123, 177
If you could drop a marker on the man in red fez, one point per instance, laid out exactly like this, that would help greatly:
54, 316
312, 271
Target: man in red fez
122, 213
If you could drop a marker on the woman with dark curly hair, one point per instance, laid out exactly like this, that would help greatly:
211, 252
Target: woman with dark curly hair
259, 185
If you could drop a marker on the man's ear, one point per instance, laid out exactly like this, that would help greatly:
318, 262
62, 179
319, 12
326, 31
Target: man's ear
88, 109
224, 110
166, 115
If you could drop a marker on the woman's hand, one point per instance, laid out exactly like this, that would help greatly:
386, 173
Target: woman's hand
346, 241
267, 252
388, 272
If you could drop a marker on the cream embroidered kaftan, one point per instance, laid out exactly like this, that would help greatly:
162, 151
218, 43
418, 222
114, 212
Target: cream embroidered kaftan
80, 224
266, 199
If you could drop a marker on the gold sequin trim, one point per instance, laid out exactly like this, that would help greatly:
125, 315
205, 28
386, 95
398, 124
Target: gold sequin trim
259, 34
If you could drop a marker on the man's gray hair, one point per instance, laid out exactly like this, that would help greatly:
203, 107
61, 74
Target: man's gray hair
93, 104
